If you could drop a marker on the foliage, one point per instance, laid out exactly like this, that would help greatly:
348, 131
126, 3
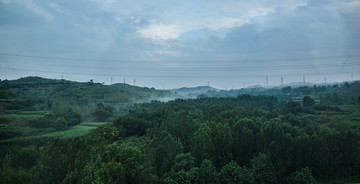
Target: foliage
301, 177
243, 139
308, 102
103, 112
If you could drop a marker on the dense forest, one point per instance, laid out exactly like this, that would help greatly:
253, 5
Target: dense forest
280, 135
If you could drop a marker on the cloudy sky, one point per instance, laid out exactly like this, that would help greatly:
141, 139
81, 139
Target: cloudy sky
227, 44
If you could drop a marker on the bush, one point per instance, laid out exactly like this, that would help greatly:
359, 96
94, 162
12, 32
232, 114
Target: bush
56, 121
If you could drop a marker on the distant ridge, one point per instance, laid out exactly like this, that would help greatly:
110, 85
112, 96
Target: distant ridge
193, 91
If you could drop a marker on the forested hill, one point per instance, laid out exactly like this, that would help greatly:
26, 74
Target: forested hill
245, 140
193, 92
39, 93
347, 92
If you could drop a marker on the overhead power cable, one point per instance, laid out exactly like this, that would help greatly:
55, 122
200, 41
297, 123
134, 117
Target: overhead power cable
337, 47
184, 76
208, 61
229, 68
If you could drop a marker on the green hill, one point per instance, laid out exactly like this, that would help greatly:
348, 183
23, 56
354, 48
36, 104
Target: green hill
38, 93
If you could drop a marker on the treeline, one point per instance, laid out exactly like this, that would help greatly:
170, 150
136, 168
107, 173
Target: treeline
248, 139
329, 94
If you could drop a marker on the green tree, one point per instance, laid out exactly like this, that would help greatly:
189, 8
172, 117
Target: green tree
132, 125
202, 145
207, 173
263, 170
308, 102
164, 150
292, 107
232, 173
286, 89
184, 161
222, 140
111, 172
244, 142
59, 107
102, 112
303, 176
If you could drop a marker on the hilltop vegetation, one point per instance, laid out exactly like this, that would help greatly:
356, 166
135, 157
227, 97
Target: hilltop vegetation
41, 92
331, 94
35, 93
299, 135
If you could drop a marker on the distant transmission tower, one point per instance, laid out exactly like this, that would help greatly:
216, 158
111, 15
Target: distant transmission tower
267, 81
304, 79
124, 80
111, 80
134, 80
282, 80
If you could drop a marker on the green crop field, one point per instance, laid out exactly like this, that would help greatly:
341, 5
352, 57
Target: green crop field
33, 112
8, 131
75, 131
93, 124
20, 116
349, 118
20, 133
352, 119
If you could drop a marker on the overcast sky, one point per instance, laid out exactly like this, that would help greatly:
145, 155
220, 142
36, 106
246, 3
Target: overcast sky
229, 43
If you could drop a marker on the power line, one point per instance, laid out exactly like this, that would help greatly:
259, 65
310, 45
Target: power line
354, 45
232, 68
182, 61
182, 76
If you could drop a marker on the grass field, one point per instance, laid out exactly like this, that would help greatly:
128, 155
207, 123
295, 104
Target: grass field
94, 124
20, 116
75, 131
33, 112
20, 133
348, 118
352, 119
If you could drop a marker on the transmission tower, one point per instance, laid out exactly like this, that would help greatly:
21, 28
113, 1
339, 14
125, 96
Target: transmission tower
267, 81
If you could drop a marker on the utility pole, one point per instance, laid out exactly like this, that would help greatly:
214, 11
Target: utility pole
244, 84
325, 80
282, 80
62, 77
163, 87
134, 81
304, 79
208, 83
352, 76
124, 80
111, 80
